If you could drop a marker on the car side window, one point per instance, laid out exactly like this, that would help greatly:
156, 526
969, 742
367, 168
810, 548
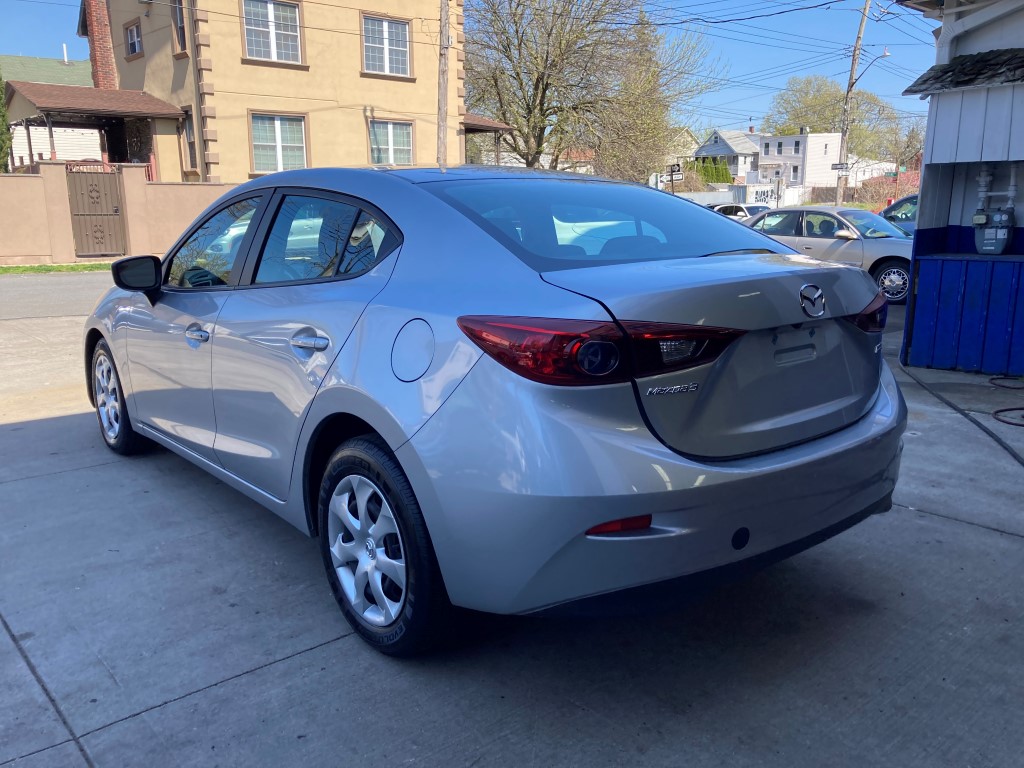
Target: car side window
781, 223
207, 258
306, 240
317, 238
906, 212
820, 225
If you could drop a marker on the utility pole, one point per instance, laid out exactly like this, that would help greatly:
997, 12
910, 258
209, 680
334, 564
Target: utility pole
844, 127
444, 41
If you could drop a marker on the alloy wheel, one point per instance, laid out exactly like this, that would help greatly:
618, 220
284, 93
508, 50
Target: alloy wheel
367, 550
108, 400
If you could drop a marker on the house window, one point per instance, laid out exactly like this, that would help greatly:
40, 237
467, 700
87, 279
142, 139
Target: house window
390, 143
188, 132
385, 46
133, 39
778, 173
178, 26
278, 143
767, 148
778, 148
272, 31
794, 173
796, 147
826, 149
714, 139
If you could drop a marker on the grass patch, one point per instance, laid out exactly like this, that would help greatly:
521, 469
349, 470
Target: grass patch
42, 269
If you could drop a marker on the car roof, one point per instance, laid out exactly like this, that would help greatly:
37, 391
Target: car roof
816, 208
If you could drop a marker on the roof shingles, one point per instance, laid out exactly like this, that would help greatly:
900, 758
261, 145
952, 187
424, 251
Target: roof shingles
32, 69
999, 67
79, 100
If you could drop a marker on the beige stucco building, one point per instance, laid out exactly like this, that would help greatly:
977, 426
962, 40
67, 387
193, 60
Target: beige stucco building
267, 85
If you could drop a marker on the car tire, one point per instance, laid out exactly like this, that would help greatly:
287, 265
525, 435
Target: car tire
111, 411
893, 279
377, 552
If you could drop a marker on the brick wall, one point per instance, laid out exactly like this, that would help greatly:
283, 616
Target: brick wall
101, 48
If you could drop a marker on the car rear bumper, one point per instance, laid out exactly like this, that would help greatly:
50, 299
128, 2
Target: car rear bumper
511, 474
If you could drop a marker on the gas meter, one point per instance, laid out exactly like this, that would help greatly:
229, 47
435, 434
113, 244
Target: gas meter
993, 230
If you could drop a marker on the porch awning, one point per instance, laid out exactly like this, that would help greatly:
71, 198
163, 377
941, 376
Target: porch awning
480, 124
977, 70
82, 100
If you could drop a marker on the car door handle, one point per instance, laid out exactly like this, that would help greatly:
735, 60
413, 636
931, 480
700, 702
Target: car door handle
319, 343
197, 334
808, 247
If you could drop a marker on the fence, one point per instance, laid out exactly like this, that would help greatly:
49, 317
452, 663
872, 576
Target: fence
36, 222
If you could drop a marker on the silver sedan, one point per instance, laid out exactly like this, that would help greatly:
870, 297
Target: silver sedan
503, 391
847, 236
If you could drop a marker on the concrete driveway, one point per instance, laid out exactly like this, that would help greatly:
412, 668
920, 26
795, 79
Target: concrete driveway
153, 617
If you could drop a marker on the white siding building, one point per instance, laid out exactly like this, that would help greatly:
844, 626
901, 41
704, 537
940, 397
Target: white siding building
70, 143
806, 159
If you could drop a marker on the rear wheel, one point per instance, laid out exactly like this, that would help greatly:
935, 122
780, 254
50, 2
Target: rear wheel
377, 552
893, 278
115, 425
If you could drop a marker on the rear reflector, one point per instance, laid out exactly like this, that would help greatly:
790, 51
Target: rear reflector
873, 317
619, 526
588, 352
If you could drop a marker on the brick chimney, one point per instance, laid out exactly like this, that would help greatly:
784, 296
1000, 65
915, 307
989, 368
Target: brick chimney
101, 46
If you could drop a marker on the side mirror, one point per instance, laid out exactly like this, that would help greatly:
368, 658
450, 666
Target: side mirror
138, 273
845, 234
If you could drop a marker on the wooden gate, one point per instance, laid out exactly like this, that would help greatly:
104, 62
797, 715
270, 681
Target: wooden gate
94, 189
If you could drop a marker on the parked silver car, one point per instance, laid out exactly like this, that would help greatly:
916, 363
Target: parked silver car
847, 236
502, 390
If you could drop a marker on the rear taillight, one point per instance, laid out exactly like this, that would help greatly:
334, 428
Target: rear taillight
587, 352
872, 318
662, 348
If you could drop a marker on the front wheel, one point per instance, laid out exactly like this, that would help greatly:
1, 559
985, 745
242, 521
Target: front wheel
111, 412
893, 278
377, 552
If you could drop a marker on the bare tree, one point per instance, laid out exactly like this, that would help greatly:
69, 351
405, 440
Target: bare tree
581, 74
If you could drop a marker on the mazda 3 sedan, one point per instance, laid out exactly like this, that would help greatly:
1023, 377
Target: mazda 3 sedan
503, 391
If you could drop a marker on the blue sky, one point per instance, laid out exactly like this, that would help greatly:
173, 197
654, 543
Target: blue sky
760, 54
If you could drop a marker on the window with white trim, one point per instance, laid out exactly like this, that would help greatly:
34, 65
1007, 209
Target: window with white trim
778, 148
767, 148
796, 147
795, 173
385, 46
133, 39
390, 143
272, 31
278, 143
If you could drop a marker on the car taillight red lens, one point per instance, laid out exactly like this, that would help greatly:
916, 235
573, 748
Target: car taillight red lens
638, 523
872, 318
566, 352
588, 352
662, 348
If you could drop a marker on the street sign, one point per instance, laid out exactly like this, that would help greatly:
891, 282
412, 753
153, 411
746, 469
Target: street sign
843, 173
674, 168
903, 169
840, 166
892, 175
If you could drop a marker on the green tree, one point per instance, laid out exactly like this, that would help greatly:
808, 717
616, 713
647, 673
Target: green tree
816, 102
5, 130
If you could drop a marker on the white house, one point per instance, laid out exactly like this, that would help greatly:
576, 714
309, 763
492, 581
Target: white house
806, 159
739, 149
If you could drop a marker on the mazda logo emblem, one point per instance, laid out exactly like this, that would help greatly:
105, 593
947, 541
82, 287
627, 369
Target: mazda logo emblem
812, 300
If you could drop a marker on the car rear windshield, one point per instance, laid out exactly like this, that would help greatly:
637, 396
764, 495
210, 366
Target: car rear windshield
555, 224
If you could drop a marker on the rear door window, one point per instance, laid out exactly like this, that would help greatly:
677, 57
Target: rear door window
317, 238
780, 223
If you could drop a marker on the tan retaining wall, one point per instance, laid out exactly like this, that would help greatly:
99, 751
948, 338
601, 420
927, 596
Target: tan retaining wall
35, 214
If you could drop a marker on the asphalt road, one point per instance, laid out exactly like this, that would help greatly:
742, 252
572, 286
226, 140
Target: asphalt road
153, 617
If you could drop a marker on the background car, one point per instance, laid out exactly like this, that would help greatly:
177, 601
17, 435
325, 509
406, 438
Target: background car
902, 213
846, 236
502, 390
738, 211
